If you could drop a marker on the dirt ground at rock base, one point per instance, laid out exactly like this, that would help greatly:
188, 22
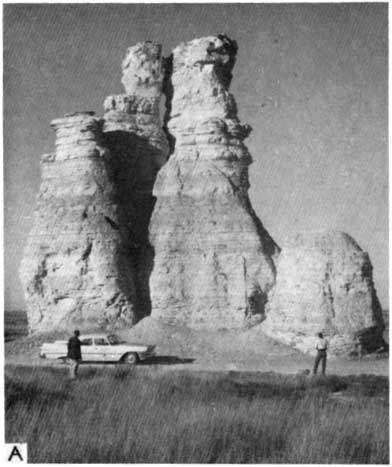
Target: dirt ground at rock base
182, 348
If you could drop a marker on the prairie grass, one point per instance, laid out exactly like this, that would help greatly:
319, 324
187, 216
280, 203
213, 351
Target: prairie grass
118, 415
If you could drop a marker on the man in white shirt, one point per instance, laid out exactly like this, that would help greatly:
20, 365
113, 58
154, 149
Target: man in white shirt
321, 347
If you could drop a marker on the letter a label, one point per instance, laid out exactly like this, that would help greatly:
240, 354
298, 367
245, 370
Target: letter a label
16, 453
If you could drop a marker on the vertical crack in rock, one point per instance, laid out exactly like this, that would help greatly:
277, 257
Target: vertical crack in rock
74, 262
203, 227
324, 284
138, 149
167, 89
112, 224
87, 252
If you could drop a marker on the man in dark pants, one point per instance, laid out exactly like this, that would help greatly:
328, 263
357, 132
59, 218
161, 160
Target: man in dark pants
321, 347
74, 354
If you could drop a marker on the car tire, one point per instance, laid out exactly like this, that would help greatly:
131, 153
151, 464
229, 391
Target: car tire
130, 358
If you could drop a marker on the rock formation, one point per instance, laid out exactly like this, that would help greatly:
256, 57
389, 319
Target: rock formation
88, 257
214, 261
211, 264
324, 284
77, 267
138, 149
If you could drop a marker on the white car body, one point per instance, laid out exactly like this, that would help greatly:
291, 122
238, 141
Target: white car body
100, 348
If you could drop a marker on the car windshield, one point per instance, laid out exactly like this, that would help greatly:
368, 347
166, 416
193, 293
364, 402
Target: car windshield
113, 339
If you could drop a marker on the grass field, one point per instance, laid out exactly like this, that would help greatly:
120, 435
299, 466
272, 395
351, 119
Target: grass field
118, 415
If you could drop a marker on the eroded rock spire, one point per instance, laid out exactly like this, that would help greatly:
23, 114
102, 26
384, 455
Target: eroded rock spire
76, 267
138, 149
214, 261
107, 191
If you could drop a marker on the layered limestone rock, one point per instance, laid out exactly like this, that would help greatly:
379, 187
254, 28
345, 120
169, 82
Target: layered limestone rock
77, 268
89, 258
324, 284
138, 149
214, 261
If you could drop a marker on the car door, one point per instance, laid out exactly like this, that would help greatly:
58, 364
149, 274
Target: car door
101, 349
86, 348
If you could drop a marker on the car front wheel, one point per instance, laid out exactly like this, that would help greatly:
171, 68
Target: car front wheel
130, 358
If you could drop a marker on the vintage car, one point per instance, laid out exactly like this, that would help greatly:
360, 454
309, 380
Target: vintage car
100, 348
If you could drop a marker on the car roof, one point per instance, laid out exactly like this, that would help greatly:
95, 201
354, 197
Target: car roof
94, 336
91, 336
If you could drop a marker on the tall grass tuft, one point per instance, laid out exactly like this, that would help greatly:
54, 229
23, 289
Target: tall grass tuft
113, 415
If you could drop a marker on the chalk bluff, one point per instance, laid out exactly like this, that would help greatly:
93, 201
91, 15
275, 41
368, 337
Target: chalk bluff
324, 284
138, 148
139, 215
214, 261
88, 257
76, 267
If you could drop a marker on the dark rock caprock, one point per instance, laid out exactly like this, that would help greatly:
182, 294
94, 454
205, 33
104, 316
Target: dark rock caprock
214, 261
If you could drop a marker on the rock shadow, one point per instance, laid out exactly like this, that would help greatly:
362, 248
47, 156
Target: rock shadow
132, 166
167, 360
157, 360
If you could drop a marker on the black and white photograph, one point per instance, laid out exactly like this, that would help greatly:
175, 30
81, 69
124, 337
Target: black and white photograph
196, 243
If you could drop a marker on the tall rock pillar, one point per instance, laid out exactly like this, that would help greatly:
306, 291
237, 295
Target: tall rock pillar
138, 149
214, 261
76, 268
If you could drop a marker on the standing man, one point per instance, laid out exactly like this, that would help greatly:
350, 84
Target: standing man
321, 347
74, 354
359, 347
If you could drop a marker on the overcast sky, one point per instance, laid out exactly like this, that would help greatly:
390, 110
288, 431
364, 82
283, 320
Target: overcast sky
312, 81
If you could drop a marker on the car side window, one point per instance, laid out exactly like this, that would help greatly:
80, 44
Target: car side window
87, 341
101, 341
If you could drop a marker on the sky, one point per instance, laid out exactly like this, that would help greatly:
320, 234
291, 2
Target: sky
311, 80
